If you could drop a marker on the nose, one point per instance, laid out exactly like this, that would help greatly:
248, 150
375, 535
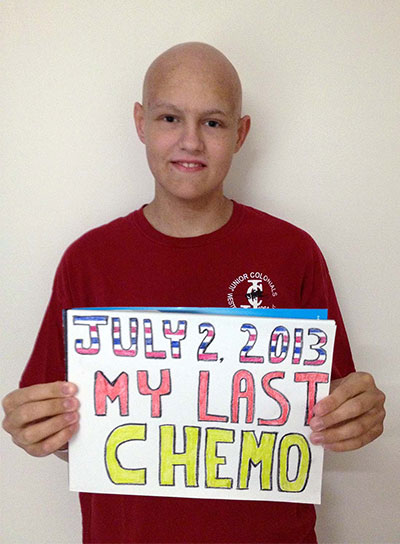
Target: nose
191, 138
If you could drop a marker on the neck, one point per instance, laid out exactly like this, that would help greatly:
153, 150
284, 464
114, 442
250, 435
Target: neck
183, 219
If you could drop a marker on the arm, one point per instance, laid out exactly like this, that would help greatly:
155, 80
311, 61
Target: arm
62, 454
42, 418
351, 416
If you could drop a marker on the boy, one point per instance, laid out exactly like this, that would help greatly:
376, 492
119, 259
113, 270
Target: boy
191, 124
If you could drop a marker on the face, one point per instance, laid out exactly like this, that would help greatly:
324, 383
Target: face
190, 125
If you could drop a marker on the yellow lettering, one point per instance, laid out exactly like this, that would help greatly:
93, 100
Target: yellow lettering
299, 482
214, 436
255, 453
117, 473
170, 459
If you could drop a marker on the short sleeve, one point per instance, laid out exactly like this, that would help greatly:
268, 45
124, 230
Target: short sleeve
47, 361
318, 292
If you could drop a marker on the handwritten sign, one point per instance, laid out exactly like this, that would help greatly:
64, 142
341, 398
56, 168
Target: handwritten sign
197, 405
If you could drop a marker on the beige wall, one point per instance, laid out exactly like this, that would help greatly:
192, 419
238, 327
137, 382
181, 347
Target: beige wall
321, 80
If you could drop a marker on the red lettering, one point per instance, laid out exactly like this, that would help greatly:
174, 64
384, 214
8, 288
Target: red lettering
103, 388
163, 389
204, 378
248, 394
312, 379
276, 395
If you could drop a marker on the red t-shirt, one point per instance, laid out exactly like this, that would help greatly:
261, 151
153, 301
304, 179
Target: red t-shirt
254, 260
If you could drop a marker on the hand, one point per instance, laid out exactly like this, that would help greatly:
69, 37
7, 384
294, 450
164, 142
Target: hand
42, 418
351, 416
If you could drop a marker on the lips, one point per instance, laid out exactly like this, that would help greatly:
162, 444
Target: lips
189, 166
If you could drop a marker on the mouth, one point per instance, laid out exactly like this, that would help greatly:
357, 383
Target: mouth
189, 166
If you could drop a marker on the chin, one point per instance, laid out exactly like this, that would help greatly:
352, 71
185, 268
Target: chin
191, 196
188, 191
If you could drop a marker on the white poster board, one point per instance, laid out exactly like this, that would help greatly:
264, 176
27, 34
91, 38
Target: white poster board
197, 405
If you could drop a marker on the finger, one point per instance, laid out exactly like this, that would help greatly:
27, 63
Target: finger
52, 443
33, 411
356, 442
38, 392
352, 429
351, 409
349, 387
32, 434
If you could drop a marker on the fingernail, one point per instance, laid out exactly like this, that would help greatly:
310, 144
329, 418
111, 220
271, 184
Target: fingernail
317, 424
67, 388
70, 417
318, 410
317, 438
68, 404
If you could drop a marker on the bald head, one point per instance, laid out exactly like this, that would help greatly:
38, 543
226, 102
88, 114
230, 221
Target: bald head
193, 60
191, 124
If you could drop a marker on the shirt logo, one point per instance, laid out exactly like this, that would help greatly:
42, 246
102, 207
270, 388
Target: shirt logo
252, 290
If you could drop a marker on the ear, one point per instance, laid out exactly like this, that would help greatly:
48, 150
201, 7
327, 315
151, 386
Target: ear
243, 130
138, 115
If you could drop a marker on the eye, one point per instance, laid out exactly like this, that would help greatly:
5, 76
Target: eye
213, 123
170, 118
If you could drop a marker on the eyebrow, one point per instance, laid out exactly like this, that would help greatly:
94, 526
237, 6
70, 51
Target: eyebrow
172, 107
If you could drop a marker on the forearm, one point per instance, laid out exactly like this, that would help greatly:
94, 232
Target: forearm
62, 455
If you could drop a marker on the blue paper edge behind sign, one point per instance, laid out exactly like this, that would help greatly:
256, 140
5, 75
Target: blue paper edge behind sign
287, 313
